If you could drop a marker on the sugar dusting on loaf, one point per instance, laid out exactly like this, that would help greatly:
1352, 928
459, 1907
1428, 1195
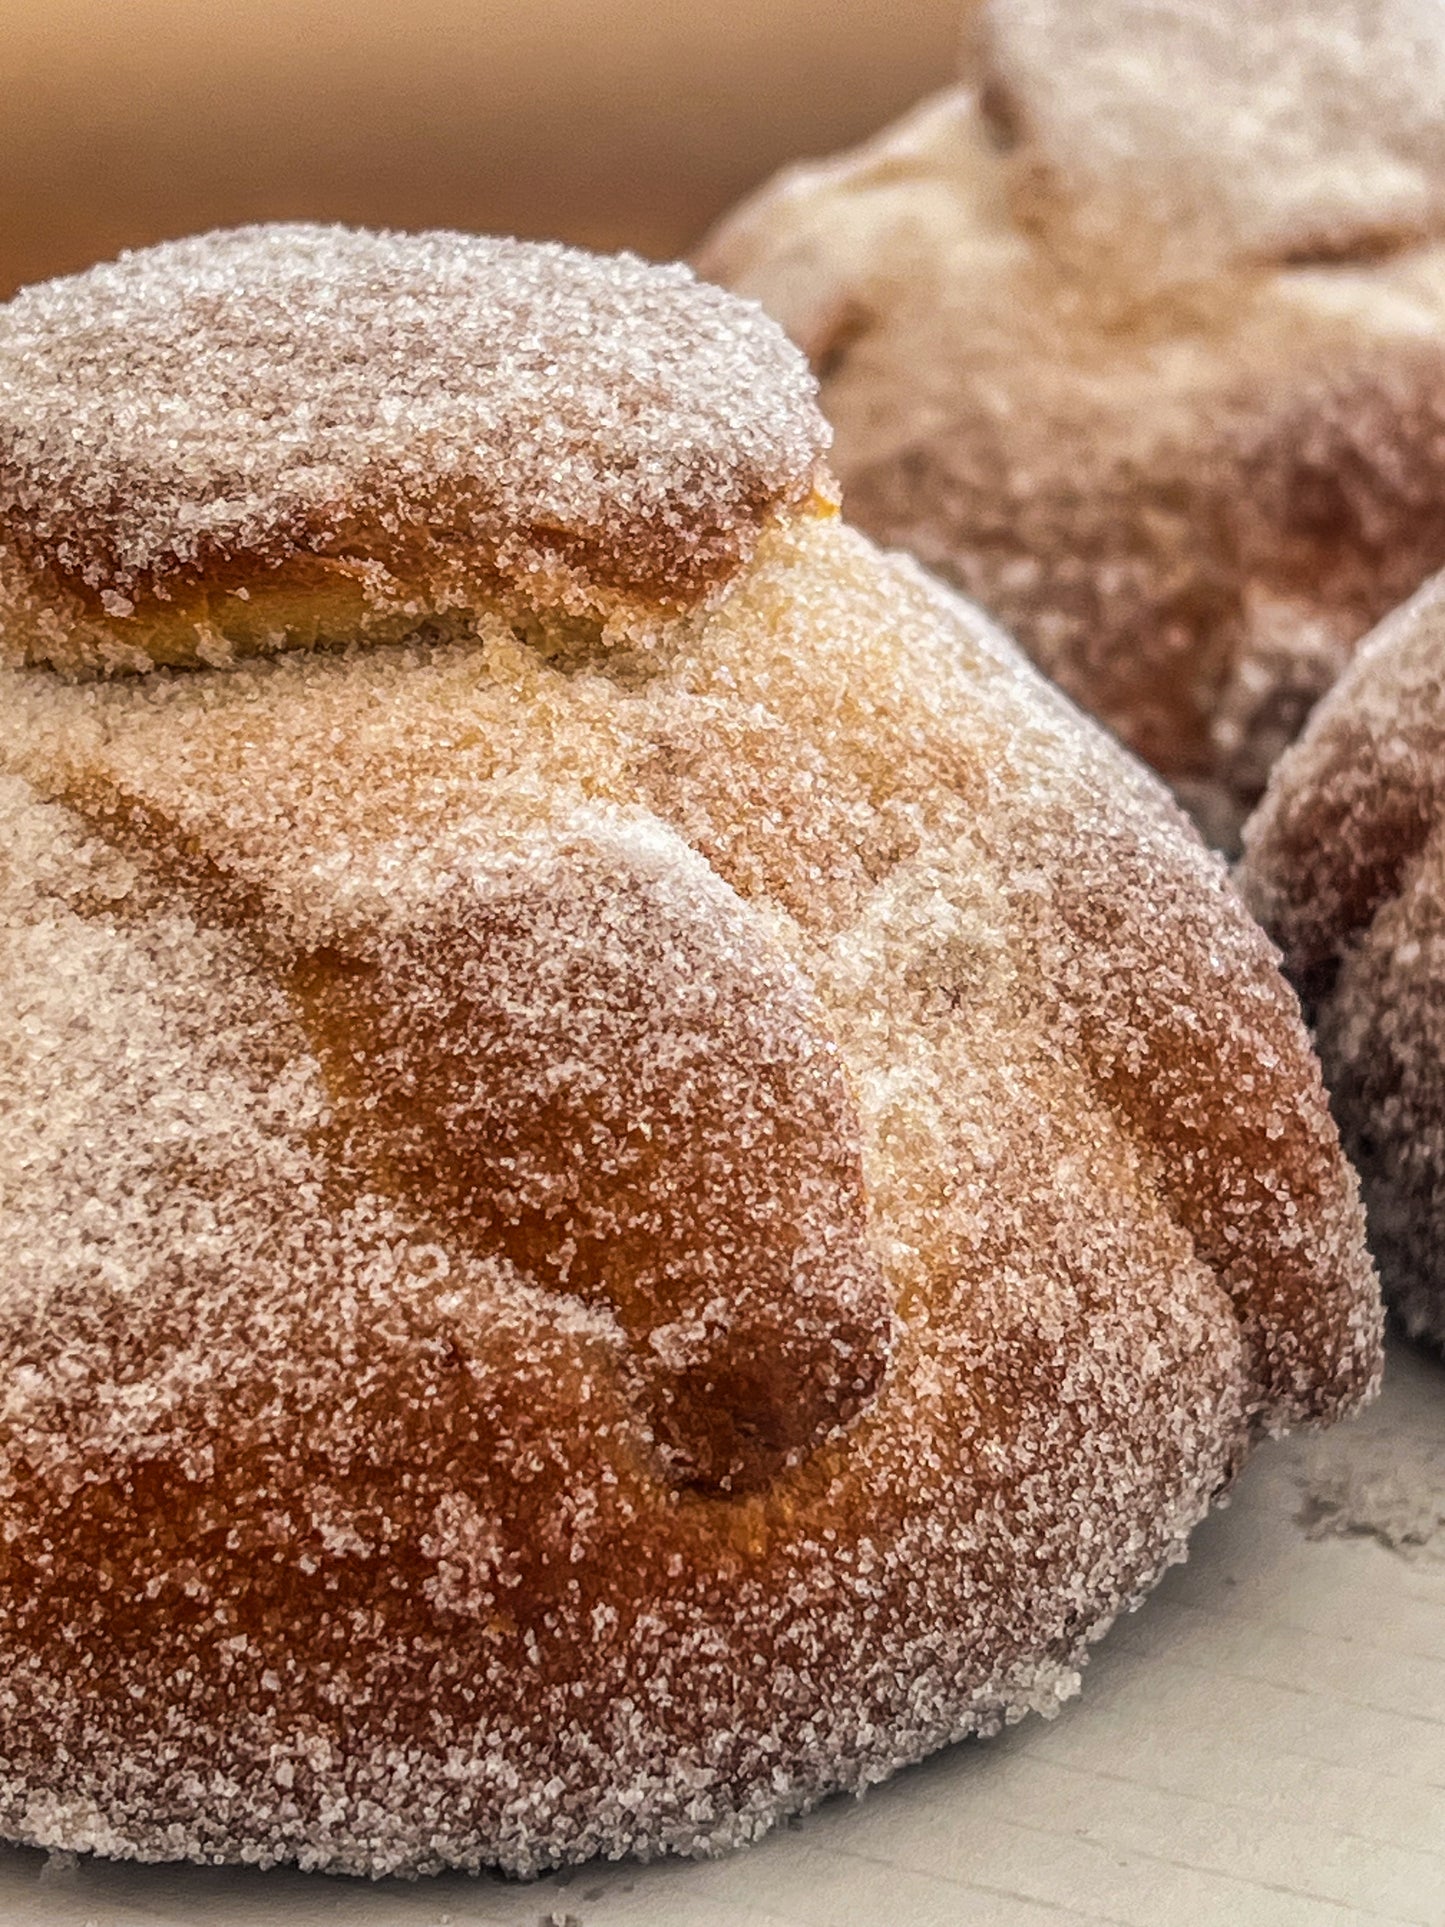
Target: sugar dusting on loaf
1344, 864
976, 1197
426, 418
1229, 130
1138, 337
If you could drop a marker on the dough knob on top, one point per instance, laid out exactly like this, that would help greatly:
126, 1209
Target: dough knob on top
284, 437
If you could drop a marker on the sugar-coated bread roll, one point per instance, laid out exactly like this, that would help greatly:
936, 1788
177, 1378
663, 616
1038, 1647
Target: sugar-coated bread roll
639, 1179
1345, 864
1139, 336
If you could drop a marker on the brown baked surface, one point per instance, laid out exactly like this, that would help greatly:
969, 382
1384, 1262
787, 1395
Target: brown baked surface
274, 437
1344, 864
1139, 337
917, 1194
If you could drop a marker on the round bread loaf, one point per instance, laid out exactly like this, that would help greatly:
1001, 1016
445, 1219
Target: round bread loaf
1139, 337
1345, 864
622, 1209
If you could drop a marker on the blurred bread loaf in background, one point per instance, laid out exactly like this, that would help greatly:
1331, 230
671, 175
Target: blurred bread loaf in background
609, 123
1138, 337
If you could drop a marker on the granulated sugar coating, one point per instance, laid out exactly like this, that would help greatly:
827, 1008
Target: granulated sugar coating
1139, 338
611, 1229
293, 434
1345, 864
1226, 127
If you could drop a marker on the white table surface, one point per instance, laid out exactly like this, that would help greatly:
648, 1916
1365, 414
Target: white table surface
1262, 1745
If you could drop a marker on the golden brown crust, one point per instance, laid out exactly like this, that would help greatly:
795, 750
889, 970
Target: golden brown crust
1140, 340
271, 437
372, 1448
1227, 1165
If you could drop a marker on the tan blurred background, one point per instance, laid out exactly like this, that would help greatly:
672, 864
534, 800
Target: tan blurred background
607, 122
